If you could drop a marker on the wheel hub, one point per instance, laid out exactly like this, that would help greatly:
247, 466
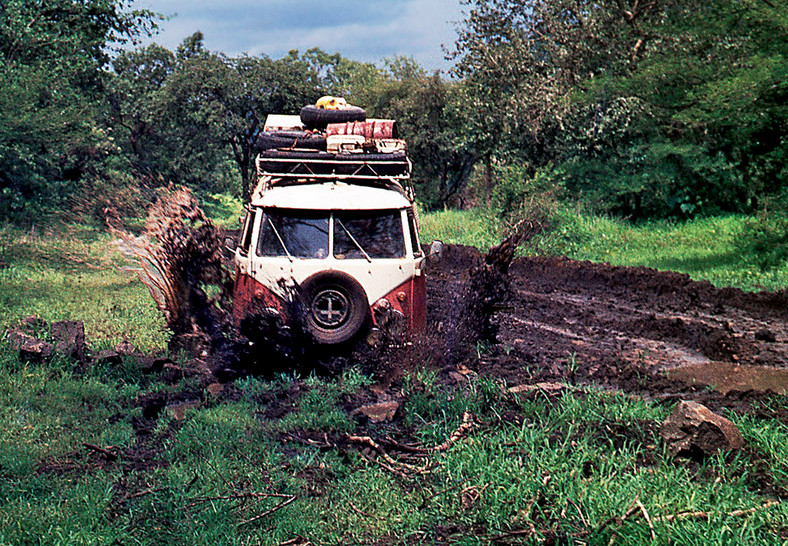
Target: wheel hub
330, 308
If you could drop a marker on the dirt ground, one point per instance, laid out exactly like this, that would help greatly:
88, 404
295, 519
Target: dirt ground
656, 334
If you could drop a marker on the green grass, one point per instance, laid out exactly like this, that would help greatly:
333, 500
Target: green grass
705, 248
564, 465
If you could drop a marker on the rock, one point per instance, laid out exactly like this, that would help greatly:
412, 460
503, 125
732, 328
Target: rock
546, 387
170, 373
765, 335
33, 325
110, 357
694, 430
69, 337
125, 348
152, 364
36, 350
378, 413
178, 411
16, 338
215, 389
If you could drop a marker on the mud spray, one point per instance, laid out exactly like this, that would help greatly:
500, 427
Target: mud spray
179, 254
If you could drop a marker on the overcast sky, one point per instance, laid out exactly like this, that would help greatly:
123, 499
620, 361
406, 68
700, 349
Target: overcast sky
365, 30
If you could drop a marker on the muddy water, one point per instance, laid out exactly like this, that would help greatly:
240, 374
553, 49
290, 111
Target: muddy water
725, 377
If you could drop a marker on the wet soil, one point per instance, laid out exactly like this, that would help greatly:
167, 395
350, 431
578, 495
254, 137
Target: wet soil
657, 334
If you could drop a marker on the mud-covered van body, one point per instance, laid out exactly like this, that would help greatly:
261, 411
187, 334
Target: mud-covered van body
332, 237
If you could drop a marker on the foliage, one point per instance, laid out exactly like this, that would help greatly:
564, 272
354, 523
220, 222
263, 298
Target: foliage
765, 238
50, 135
667, 108
712, 249
428, 112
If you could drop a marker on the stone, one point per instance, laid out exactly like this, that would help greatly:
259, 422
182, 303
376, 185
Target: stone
125, 348
16, 338
694, 430
378, 413
546, 387
33, 324
36, 350
765, 335
69, 337
215, 389
110, 357
178, 411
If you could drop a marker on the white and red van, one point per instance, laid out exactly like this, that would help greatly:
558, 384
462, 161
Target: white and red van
334, 232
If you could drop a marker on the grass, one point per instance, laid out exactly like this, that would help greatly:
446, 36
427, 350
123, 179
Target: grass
563, 465
704, 248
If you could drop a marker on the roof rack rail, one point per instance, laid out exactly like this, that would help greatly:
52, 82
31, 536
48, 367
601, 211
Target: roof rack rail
278, 167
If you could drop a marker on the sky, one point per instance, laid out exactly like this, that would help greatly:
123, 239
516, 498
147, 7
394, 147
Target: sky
362, 30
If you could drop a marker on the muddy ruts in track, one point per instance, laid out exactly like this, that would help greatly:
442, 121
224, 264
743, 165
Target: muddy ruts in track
616, 326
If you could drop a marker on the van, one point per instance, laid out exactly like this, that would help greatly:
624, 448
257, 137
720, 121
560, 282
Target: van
330, 238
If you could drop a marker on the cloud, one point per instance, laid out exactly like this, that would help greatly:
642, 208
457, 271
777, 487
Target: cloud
365, 31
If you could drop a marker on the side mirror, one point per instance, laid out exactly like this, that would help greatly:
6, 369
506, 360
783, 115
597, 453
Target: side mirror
229, 246
436, 252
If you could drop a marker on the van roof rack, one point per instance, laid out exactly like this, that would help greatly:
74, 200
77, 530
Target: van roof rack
291, 166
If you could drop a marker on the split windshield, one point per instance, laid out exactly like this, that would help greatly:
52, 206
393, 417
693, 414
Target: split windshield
364, 235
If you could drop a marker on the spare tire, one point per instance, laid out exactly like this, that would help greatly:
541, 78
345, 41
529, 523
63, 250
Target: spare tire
270, 140
335, 307
318, 118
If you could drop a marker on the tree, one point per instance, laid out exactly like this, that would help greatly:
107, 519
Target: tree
430, 116
51, 83
658, 107
216, 98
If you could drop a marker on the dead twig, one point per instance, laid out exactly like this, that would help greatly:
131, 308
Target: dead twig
147, 492
706, 515
368, 441
268, 512
647, 518
579, 513
110, 456
368, 515
252, 495
467, 425
442, 491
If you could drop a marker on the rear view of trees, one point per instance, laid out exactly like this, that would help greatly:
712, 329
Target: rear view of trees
52, 56
647, 108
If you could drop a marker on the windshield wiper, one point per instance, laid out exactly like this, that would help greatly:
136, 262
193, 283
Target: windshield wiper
364, 252
281, 242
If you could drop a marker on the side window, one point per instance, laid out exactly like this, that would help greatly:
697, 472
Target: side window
373, 234
414, 233
293, 233
246, 231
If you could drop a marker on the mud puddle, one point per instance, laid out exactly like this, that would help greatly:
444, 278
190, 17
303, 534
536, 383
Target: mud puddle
725, 377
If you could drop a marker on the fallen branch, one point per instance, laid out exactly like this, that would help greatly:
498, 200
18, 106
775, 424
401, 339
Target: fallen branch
201, 500
268, 512
647, 518
147, 492
366, 440
98, 449
368, 515
706, 515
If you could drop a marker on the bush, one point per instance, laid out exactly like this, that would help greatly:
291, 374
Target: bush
765, 238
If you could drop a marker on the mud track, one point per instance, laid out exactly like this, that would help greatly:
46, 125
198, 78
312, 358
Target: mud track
623, 328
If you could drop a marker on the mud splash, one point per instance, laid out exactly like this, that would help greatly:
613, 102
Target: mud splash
180, 261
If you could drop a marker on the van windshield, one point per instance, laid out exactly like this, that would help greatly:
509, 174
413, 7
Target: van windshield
294, 233
368, 235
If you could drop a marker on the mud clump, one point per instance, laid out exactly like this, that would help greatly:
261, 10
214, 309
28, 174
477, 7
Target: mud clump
180, 260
